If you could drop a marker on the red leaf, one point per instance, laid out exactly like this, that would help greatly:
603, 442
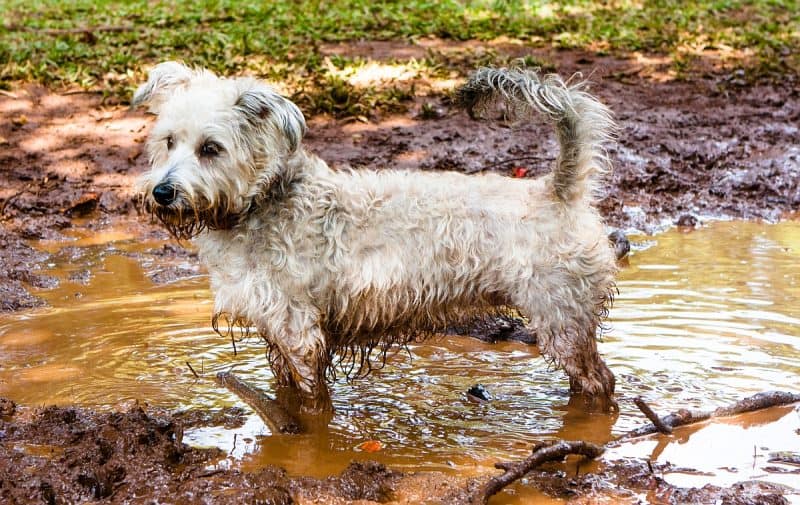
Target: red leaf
519, 172
371, 446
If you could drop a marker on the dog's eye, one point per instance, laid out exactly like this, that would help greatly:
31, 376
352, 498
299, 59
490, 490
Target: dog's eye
210, 149
170, 142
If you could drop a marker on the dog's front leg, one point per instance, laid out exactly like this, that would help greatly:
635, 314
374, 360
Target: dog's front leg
300, 364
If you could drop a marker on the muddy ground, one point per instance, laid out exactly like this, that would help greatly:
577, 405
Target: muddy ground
58, 455
717, 144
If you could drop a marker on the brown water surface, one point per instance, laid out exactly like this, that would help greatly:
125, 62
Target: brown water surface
703, 318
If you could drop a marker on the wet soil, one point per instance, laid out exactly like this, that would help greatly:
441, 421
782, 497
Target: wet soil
136, 454
69, 455
627, 480
688, 150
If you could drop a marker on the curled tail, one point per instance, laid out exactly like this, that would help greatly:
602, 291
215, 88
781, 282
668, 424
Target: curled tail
583, 124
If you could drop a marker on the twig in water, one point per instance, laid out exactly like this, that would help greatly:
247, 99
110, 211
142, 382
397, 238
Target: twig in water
683, 417
657, 422
541, 454
276, 417
192, 369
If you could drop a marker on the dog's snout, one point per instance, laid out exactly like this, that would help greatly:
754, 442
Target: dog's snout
164, 193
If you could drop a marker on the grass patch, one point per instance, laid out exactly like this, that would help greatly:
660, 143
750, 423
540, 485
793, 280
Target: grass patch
107, 45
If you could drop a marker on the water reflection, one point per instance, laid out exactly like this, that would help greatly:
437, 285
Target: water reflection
702, 319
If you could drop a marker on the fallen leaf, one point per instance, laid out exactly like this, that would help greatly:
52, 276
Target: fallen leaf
519, 172
371, 446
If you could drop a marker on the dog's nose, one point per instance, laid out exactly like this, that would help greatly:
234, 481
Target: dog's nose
164, 193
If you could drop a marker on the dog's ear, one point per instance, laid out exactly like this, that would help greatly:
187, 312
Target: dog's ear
162, 80
258, 103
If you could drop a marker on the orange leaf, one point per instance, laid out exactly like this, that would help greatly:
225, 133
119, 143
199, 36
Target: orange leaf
520, 172
371, 446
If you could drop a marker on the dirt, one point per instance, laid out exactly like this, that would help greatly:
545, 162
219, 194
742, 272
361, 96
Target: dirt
626, 479
68, 455
689, 150
136, 454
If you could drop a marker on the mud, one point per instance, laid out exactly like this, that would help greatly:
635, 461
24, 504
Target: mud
69, 455
626, 480
715, 145
136, 454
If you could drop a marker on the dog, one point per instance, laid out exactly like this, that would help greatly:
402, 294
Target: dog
328, 265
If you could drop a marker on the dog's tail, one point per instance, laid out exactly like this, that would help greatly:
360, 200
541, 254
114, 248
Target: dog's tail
583, 124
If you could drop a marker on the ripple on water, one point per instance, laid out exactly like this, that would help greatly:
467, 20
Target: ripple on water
702, 319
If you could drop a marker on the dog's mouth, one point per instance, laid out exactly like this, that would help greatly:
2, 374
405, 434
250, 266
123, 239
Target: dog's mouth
185, 221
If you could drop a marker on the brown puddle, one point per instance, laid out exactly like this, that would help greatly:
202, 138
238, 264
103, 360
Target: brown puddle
703, 318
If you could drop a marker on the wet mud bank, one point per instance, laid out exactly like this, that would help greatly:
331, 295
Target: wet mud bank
69, 455
136, 454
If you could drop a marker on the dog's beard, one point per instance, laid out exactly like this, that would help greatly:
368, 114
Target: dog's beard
184, 222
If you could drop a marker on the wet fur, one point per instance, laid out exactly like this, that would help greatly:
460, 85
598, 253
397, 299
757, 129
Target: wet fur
325, 264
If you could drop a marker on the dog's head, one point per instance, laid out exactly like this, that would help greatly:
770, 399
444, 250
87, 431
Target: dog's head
217, 144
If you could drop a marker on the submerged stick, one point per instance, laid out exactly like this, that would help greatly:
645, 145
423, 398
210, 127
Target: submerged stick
273, 414
657, 421
541, 454
683, 417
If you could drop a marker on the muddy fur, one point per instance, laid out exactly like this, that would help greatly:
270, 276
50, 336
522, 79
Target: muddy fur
325, 264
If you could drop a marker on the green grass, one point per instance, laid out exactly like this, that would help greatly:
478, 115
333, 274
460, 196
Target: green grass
280, 40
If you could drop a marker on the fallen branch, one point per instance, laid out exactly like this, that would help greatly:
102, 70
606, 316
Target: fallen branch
541, 454
647, 411
684, 416
273, 414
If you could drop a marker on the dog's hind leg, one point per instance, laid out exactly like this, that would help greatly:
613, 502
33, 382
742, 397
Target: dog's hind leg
566, 334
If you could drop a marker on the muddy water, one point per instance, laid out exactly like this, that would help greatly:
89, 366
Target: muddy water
702, 319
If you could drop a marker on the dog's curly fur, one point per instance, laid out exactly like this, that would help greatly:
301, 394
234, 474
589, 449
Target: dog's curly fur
325, 263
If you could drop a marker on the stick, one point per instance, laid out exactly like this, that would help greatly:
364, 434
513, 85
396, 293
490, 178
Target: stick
192, 369
509, 160
684, 416
541, 454
657, 422
273, 414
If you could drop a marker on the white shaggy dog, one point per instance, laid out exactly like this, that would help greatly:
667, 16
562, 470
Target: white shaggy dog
325, 264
